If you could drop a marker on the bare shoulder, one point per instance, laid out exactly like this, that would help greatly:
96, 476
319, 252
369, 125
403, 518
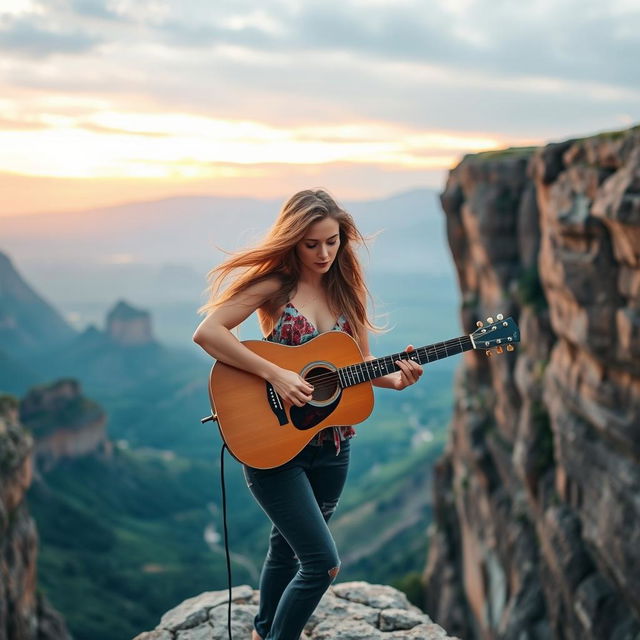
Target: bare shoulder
256, 294
266, 288
239, 307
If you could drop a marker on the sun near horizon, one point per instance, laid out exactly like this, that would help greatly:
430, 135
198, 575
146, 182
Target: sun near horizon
111, 102
111, 158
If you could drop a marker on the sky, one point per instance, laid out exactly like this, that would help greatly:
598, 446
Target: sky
110, 101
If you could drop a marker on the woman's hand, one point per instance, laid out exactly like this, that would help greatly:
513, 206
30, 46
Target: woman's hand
410, 372
291, 387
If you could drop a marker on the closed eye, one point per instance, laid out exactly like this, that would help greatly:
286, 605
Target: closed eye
313, 246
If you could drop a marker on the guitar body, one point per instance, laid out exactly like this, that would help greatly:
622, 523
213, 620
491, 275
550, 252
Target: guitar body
263, 431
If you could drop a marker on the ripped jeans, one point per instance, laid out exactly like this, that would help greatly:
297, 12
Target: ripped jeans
299, 497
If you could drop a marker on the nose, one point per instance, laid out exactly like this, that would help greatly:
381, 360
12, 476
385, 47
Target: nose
324, 253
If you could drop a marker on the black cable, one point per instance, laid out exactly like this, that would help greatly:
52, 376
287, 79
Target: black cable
226, 537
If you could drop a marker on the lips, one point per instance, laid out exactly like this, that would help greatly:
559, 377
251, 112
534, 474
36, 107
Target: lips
322, 264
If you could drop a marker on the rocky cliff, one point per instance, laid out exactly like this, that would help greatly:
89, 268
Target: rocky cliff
348, 611
24, 613
537, 516
64, 422
129, 326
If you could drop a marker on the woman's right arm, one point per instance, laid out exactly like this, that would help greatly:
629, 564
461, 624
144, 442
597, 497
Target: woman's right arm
214, 336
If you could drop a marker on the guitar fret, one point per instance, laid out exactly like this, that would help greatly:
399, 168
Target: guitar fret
390, 363
366, 371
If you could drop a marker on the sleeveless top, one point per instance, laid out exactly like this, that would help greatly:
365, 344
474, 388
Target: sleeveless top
294, 329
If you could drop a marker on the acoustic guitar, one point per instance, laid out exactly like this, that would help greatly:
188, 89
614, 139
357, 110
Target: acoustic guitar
263, 431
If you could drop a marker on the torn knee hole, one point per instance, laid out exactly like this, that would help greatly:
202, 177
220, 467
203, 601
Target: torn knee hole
327, 508
334, 572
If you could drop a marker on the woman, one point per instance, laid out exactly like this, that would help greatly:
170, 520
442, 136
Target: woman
303, 279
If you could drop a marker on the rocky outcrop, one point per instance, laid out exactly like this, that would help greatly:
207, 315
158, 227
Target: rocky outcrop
128, 326
537, 518
24, 613
348, 611
65, 423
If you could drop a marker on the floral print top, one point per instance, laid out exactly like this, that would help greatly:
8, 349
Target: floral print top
294, 329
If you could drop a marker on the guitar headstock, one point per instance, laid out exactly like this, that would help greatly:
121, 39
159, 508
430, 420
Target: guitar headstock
499, 334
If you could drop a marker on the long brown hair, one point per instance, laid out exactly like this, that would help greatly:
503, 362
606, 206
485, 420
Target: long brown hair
276, 256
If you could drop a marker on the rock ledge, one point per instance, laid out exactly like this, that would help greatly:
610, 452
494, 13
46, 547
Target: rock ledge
348, 611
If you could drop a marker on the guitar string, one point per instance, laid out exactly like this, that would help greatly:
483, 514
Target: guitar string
328, 378
400, 356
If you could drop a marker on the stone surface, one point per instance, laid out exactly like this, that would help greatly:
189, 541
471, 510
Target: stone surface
24, 614
195, 611
348, 611
129, 326
537, 517
64, 422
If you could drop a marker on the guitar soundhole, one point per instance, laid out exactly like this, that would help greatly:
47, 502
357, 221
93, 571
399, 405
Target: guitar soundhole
325, 383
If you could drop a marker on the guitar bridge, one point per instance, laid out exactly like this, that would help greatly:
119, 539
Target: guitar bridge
275, 403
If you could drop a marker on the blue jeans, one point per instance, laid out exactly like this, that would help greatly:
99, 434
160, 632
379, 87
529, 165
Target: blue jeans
299, 497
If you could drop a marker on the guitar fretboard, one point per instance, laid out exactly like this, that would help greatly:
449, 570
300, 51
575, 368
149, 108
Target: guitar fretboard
364, 371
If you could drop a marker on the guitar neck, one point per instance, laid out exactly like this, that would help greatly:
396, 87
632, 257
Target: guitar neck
364, 371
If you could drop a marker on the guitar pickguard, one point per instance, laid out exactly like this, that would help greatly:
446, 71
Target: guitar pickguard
309, 415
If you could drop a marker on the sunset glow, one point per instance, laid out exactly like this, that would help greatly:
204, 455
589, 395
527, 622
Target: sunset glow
109, 144
104, 102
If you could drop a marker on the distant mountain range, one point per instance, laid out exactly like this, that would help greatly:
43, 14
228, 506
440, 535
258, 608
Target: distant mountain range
27, 322
188, 231
37, 346
158, 253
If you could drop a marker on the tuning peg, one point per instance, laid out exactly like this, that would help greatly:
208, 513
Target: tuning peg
479, 324
510, 347
490, 320
499, 349
488, 352
499, 316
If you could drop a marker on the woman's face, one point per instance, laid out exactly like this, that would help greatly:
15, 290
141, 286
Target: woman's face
318, 249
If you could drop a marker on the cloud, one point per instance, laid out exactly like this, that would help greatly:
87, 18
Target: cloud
492, 69
93, 9
32, 37
565, 40
569, 40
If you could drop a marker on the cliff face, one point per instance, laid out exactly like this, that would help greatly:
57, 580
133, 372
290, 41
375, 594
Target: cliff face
65, 423
129, 326
537, 518
24, 613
